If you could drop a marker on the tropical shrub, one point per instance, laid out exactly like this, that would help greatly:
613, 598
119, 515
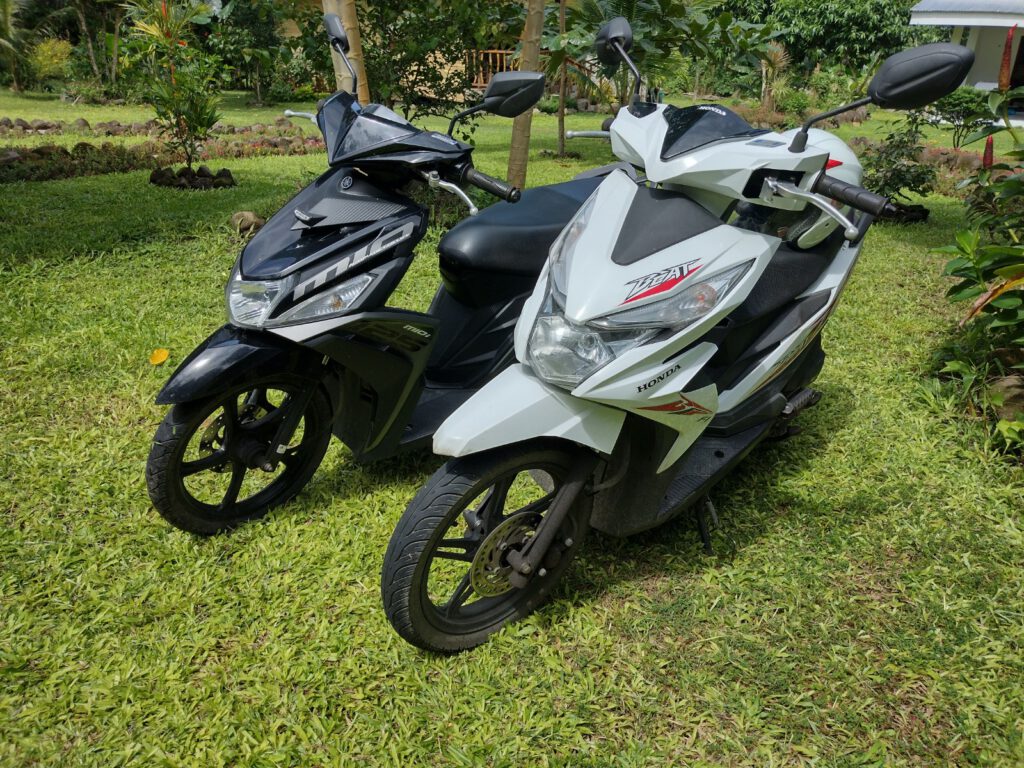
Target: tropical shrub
988, 264
893, 167
183, 85
965, 111
48, 61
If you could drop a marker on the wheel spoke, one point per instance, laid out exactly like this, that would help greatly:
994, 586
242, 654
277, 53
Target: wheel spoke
230, 417
213, 461
237, 476
493, 506
540, 505
457, 549
459, 596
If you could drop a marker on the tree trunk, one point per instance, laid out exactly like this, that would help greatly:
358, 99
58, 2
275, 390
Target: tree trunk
529, 60
87, 37
117, 48
561, 82
346, 9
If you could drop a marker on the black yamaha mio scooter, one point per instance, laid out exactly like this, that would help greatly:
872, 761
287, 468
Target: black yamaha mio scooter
311, 349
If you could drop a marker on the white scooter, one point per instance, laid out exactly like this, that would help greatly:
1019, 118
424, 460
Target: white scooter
675, 326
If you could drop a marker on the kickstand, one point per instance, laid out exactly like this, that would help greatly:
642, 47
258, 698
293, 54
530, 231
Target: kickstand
707, 521
706, 510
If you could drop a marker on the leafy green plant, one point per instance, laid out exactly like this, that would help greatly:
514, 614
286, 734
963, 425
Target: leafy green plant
183, 88
893, 168
48, 60
965, 111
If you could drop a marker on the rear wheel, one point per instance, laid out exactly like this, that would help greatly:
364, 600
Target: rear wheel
208, 470
445, 581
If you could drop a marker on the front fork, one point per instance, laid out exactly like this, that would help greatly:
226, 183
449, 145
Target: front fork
286, 430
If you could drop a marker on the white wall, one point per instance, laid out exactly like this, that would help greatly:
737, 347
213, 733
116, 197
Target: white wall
988, 44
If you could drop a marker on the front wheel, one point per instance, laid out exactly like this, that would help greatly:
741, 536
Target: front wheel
445, 581
208, 469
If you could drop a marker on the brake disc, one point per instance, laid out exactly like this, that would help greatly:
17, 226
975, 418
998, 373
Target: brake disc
489, 570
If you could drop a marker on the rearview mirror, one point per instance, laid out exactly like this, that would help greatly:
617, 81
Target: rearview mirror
615, 31
336, 31
512, 93
917, 77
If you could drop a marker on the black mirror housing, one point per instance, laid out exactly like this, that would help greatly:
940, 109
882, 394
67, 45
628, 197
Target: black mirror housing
512, 93
919, 76
615, 31
336, 31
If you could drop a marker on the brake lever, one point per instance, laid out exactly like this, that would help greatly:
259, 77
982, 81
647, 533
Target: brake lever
588, 134
785, 189
308, 115
434, 181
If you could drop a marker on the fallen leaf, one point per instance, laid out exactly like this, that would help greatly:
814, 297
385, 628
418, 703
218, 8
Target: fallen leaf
158, 356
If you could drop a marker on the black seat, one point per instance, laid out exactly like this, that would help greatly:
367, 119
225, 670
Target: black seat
502, 249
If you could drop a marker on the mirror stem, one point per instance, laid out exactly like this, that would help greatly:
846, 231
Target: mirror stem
800, 140
348, 65
464, 113
632, 67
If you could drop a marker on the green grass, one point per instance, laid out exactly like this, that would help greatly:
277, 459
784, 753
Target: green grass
872, 612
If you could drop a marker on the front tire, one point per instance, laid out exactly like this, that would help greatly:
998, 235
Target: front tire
203, 471
457, 531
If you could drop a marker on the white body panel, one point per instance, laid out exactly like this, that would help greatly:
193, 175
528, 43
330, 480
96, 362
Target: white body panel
516, 406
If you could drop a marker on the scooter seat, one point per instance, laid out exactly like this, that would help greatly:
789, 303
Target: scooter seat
509, 239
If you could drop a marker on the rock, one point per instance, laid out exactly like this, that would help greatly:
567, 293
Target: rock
283, 122
43, 125
162, 177
203, 172
225, 178
83, 148
50, 150
23, 124
10, 157
246, 222
1010, 356
6, 122
258, 128
139, 128
583, 105
81, 124
186, 173
1010, 390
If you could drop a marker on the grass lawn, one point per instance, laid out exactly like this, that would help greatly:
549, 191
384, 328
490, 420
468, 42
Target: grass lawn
872, 612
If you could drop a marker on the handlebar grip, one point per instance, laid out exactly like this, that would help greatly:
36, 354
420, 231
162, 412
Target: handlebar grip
491, 185
858, 197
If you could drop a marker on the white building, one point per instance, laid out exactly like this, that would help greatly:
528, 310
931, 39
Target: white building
981, 25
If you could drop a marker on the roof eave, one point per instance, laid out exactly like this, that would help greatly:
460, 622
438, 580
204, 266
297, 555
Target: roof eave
954, 19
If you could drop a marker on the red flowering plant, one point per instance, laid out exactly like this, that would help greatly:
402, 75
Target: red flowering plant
988, 263
182, 86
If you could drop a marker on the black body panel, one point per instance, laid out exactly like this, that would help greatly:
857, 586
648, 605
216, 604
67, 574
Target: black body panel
473, 342
342, 209
656, 220
690, 128
231, 357
383, 354
499, 253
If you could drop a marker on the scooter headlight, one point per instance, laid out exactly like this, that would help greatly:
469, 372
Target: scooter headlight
250, 302
331, 302
564, 353
682, 308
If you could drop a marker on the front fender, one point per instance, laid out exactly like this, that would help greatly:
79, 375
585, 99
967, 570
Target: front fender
233, 356
517, 406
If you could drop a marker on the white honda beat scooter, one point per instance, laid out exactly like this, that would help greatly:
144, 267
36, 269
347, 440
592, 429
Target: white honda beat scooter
675, 326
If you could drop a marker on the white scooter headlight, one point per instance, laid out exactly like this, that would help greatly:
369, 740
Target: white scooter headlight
564, 353
682, 308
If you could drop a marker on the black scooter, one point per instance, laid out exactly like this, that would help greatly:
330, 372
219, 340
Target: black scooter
311, 349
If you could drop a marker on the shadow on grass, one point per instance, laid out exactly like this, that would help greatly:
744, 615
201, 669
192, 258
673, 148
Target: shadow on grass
612, 561
55, 221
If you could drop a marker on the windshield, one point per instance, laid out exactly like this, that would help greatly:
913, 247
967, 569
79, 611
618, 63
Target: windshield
690, 128
349, 129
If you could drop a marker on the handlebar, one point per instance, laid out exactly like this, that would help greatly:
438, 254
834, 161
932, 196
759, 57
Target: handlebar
857, 197
308, 115
497, 187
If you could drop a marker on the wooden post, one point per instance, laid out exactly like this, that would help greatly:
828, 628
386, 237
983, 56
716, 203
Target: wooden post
346, 9
519, 149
